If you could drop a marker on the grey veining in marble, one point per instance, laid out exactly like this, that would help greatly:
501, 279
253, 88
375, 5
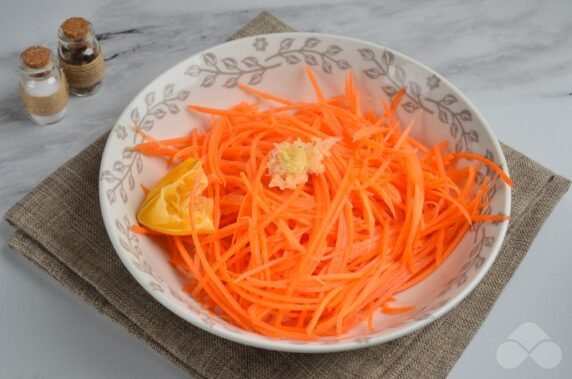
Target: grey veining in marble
512, 58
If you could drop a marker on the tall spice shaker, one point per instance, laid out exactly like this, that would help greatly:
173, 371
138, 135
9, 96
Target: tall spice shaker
80, 56
43, 86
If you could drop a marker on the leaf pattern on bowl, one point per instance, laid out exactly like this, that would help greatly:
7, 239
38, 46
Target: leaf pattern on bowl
426, 313
384, 66
130, 242
231, 69
455, 120
310, 54
122, 174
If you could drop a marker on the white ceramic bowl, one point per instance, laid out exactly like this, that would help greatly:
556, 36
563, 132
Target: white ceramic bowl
275, 63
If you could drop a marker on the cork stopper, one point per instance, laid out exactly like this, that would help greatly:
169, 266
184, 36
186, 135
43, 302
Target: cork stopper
75, 28
36, 57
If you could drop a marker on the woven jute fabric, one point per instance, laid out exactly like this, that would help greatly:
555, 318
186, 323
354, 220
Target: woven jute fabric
262, 24
84, 75
60, 229
47, 105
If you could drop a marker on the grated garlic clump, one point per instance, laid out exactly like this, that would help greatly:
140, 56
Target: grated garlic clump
290, 163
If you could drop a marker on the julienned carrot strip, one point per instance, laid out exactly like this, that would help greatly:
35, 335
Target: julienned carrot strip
144, 189
397, 99
494, 218
321, 258
143, 230
263, 94
393, 310
487, 162
213, 152
314, 82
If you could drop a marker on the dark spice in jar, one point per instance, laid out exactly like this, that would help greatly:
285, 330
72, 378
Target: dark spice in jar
80, 56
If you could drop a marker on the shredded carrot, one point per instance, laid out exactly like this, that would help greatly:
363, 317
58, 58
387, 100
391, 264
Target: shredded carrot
143, 230
321, 258
144, 189
386, 308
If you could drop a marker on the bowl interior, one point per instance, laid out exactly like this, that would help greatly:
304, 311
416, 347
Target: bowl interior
275, 63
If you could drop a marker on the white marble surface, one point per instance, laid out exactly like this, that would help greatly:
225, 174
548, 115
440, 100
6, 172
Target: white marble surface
512, 58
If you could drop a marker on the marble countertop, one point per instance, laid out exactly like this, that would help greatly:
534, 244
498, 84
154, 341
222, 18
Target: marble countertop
513, 59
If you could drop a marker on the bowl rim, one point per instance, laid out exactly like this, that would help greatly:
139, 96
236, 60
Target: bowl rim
290, 345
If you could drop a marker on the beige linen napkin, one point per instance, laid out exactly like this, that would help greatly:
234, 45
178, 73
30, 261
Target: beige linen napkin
60, 229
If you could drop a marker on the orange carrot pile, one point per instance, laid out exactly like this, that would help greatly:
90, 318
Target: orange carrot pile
327, 255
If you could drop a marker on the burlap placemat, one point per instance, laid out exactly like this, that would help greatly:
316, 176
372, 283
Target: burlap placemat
60, 229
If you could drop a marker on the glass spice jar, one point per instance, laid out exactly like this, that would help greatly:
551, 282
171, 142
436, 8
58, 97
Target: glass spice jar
80, 56
43, 86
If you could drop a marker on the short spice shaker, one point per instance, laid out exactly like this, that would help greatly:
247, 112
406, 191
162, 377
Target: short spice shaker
42, 85
80, 56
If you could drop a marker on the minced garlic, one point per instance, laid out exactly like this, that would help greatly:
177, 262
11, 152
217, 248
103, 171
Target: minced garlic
290, 163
